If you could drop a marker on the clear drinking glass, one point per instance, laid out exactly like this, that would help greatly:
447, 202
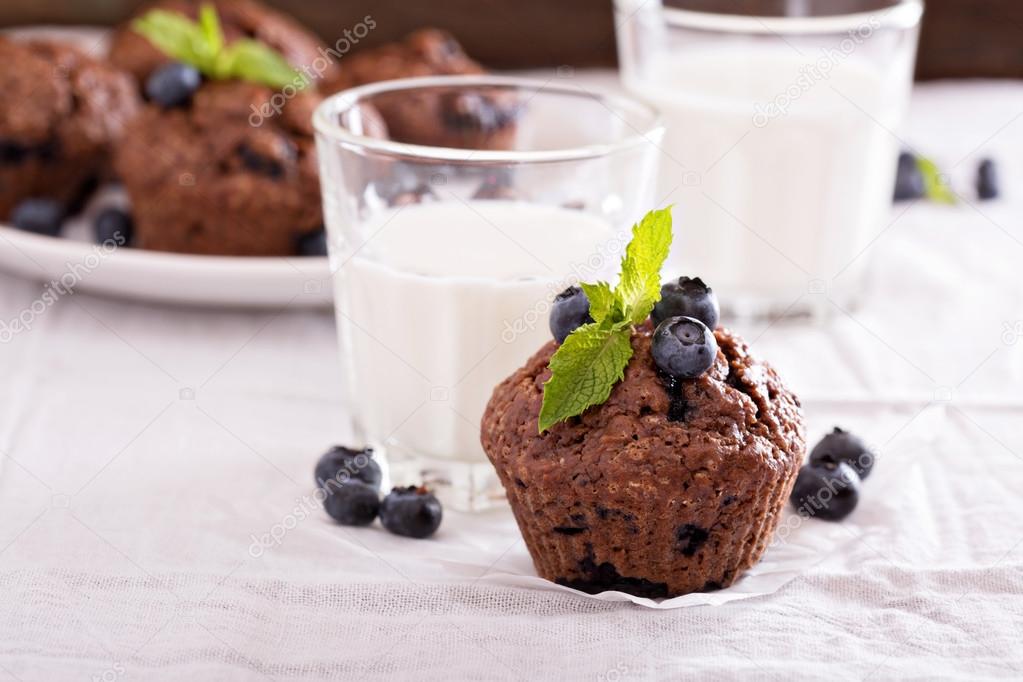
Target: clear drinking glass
445, 260
782, 137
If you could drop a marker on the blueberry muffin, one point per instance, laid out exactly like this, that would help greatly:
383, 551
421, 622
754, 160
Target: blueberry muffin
60, 112
238, 19
203, 180
668, 487
469, 120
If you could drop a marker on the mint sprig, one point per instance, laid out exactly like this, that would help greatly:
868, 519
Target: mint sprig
593, 358
202, 45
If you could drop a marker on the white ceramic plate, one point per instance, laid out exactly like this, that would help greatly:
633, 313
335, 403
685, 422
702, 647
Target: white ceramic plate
165, 277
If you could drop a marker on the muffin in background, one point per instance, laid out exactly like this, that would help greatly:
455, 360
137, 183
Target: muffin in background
664, 489
481, 120
60, 113
238, 18
203, 180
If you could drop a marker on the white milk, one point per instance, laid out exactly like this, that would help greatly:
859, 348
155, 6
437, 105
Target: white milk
772, 206
442, 303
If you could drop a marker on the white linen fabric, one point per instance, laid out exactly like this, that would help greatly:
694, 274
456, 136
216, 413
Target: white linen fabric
156, 519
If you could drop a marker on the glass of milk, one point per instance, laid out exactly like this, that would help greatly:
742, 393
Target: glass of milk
446, 260
782, 138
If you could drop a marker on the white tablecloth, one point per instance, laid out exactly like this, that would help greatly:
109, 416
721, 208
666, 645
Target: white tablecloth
146, 449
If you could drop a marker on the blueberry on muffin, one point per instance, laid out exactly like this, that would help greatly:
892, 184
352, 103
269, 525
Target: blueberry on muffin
60, 112
625, 469
484, 119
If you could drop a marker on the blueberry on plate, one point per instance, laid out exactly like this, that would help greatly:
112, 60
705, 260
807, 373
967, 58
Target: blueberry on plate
909, 181
339, 465
313, 243
172, 85
39, 216
413, 512
687, 297
683, 347
113, 226
569, 311
352, 504
987, 180
843, 447
826, 491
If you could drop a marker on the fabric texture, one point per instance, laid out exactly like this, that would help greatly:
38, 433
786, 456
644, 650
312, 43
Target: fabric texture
157, 523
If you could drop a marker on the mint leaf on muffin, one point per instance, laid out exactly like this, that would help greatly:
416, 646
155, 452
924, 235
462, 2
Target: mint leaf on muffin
592, 359
201, 44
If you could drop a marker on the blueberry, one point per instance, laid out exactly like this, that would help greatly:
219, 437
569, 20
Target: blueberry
987, 180
683, 347
412, 512
313, 243
909, 181
340, 465
842, 447
114, 226
352, 504
172, 85
687, 297
40, 216
826, 491
569, 311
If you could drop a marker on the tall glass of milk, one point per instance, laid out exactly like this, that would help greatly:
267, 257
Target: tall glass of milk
446, 259
782, 138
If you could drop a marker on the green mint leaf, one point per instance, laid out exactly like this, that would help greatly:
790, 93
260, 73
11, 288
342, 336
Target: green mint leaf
602, 300
254, 61
935, 187
175, 35
202, 45
639, 287
209, 22
583, 370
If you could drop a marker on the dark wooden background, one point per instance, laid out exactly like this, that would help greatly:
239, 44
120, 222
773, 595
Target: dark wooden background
961, 38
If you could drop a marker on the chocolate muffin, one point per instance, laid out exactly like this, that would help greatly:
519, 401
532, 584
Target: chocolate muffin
471, 120
668, 487
203, 180
238, 19
59, 114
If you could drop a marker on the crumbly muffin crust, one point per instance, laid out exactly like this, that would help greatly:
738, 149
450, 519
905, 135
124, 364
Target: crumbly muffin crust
666, 488
59, 114
203, 180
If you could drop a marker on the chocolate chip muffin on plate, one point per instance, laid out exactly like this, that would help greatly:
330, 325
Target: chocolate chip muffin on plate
60, 112
203, 180
222, 159
470, 120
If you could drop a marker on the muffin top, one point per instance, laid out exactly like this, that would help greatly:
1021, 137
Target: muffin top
426, 52
57, 96
239, 19
705, 438
212, 138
